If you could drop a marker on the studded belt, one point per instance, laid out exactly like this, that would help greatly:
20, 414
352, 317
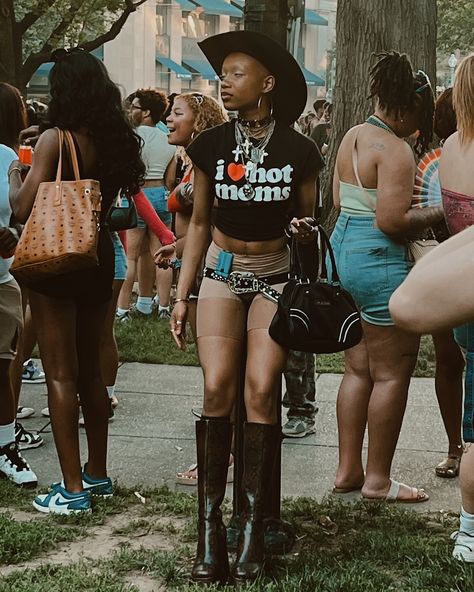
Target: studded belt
246, 282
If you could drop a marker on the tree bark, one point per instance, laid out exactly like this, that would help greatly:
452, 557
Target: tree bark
365, 27
7, 44
269, 17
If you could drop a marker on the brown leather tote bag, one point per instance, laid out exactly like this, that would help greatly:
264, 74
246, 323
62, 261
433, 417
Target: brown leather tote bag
62, 231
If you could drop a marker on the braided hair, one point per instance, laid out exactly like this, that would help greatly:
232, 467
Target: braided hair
398, 90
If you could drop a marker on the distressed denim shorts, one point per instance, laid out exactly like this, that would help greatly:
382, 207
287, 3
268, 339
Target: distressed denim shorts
158, 197
464, 336
371, 266
120, 258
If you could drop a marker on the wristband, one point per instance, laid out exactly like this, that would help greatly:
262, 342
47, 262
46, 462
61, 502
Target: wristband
14, 169
181, 300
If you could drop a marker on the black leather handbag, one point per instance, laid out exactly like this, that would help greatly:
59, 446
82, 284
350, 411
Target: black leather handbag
316, 316
122, 217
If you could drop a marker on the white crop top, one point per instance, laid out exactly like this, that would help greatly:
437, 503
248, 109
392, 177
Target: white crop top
156, 152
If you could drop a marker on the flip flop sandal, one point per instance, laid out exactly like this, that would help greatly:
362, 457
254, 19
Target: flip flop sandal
449, 467
418, 495
190, 477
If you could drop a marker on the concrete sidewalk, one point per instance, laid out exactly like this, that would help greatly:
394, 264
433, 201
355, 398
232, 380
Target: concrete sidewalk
152, 436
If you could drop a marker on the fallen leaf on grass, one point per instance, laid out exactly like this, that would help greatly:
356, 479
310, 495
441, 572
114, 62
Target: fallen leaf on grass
328, 526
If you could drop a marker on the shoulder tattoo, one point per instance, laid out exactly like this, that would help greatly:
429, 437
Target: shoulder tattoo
377, 146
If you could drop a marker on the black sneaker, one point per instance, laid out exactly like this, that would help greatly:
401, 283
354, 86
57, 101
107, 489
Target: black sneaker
14, 467
26, 439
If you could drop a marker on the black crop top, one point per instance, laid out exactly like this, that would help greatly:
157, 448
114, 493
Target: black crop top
291, 159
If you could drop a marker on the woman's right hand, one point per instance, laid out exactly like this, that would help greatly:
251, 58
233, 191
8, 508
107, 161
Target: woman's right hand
178, 324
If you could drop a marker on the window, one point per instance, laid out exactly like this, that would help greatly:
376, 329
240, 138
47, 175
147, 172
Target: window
198, 26
161, 20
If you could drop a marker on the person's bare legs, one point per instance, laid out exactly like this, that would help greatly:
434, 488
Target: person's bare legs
134, 242
392, 358
109, 356
449, 388
55, 320
266, 361
92, 391
7, 399
146, 272
352, 405
164, 277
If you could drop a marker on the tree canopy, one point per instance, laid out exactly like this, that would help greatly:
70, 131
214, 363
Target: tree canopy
455, 25
30, 30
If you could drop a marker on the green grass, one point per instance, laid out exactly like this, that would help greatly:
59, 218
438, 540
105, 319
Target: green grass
149, 341
365, 548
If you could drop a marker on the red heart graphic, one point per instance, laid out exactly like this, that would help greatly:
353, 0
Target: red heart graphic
236, 171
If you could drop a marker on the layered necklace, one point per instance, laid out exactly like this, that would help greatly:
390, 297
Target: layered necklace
377, 122
251, 154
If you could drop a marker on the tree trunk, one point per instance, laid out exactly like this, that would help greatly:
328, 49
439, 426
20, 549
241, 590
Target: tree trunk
7, 45
365, 27
269, 17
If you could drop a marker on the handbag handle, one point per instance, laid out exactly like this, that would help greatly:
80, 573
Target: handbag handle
64, 134
296, 269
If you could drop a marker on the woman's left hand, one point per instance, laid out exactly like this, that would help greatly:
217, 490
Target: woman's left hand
165, 255
304, 229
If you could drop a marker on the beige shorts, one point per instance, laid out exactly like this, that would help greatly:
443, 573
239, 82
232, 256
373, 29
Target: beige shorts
11, 319
221, 313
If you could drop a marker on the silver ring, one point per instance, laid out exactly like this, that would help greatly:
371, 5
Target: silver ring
179, 322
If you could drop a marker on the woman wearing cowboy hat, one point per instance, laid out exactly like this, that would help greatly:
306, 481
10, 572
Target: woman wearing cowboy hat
262, 175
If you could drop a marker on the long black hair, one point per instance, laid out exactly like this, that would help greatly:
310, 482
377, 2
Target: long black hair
84, 96
399, 89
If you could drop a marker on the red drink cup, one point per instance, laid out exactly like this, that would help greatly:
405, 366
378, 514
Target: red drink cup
25, 155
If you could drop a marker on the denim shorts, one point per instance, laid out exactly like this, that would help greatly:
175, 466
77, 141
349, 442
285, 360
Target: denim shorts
370, 265
464, 336
158, 197
120, 258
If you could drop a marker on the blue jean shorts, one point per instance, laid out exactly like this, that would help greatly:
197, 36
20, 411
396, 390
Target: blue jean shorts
158, 197
120, 258
464, 336
370, 265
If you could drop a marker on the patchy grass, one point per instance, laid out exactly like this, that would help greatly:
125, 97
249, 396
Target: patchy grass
149, 341
340, 548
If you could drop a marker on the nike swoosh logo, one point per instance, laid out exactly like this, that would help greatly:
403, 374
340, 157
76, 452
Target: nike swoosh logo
58, 502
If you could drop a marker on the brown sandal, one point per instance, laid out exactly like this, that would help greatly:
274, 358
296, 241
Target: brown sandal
449, 467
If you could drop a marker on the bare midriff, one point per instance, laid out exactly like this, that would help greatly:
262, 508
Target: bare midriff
154, 183
240, 247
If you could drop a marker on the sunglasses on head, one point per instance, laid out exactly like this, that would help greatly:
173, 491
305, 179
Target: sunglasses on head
198, 98
422, 78
61, 53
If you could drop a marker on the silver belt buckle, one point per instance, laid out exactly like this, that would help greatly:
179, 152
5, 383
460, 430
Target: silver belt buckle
242, 282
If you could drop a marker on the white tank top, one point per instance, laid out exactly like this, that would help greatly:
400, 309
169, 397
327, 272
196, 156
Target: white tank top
156, 152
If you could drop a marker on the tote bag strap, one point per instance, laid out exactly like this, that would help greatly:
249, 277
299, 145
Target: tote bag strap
60, 160
326, 248
73, 154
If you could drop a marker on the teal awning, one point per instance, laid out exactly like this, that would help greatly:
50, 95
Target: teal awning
311, 17
201, 67
186, 5
311, 78
174, 67
219, 7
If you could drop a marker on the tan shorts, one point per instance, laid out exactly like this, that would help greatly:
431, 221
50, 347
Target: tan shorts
221, 313
11, 319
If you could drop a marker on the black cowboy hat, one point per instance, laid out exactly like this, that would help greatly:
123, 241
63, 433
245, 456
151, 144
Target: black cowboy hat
290, 92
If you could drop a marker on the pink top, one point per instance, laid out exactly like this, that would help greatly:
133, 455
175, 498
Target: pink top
458, 210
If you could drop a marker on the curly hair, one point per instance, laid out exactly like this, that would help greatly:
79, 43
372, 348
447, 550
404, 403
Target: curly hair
153, 100
399, 90
207, 111
12, 115
83, 96
445, 123
463, 99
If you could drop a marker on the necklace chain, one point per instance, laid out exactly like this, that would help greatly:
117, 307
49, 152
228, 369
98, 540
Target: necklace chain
251, 154
377, 122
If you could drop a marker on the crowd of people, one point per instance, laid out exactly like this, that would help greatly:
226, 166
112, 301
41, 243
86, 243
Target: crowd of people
219, 189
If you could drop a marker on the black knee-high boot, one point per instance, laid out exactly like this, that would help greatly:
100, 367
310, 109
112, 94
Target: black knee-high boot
261, 444
213, 438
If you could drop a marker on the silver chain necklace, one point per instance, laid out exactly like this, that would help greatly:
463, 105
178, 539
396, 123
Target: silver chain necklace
250, 154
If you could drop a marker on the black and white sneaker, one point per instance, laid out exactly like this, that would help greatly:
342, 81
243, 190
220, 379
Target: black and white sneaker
26, 439
14, 467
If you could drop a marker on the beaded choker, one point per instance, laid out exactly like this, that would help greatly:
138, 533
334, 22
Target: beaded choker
255, 124
377, 122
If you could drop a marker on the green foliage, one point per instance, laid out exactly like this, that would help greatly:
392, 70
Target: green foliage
87, 20
455, 25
